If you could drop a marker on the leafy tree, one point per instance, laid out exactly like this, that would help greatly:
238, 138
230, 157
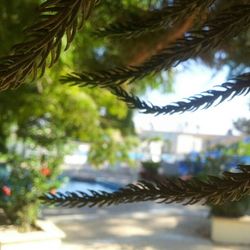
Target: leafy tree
175, 31
55, 115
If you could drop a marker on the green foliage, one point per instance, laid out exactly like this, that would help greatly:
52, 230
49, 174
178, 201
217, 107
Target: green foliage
150, 165
14, 13
232, 209
55, 114
43, 40
112, 148
52, 116
153, 20
26, 179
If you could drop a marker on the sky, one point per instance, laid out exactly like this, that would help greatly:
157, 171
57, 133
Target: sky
189, 81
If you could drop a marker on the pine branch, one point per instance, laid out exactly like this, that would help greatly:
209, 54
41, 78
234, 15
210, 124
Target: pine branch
228, 24
154, 20
57, 17
214, 190
228, 90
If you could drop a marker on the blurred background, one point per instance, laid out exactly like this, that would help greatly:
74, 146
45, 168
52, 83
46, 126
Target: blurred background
59, 138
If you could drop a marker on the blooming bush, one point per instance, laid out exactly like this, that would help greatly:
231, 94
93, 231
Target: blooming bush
22, 183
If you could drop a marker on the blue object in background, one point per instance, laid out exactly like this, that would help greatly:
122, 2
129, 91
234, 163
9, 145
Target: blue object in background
85, 186
246, 139
245, 159
214, 154
183, 168
136, 156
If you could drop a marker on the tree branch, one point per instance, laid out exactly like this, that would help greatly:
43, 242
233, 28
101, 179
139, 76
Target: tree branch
214, 190
154, 20
227, 24
57, 17
228, 90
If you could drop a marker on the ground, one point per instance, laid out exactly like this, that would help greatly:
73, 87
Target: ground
140, 226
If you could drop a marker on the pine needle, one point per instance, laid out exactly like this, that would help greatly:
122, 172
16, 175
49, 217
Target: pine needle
154, 20
226, 91
214, 190
57, 18
225, 25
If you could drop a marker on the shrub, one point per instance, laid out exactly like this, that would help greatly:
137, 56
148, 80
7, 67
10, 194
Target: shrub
22, 184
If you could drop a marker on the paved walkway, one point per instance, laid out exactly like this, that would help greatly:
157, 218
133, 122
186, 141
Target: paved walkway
144, 226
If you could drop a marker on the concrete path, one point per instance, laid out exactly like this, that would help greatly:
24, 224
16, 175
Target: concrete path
145, 226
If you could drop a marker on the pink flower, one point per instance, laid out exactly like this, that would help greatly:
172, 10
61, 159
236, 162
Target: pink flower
6, 190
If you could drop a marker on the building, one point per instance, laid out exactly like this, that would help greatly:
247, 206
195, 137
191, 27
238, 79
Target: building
179, 144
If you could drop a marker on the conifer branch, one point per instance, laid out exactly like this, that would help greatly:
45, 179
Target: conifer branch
214, 190
43, 40
225, 25
154, 20
228, 90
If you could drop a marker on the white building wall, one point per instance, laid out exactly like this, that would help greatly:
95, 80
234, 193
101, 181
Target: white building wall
187, 144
